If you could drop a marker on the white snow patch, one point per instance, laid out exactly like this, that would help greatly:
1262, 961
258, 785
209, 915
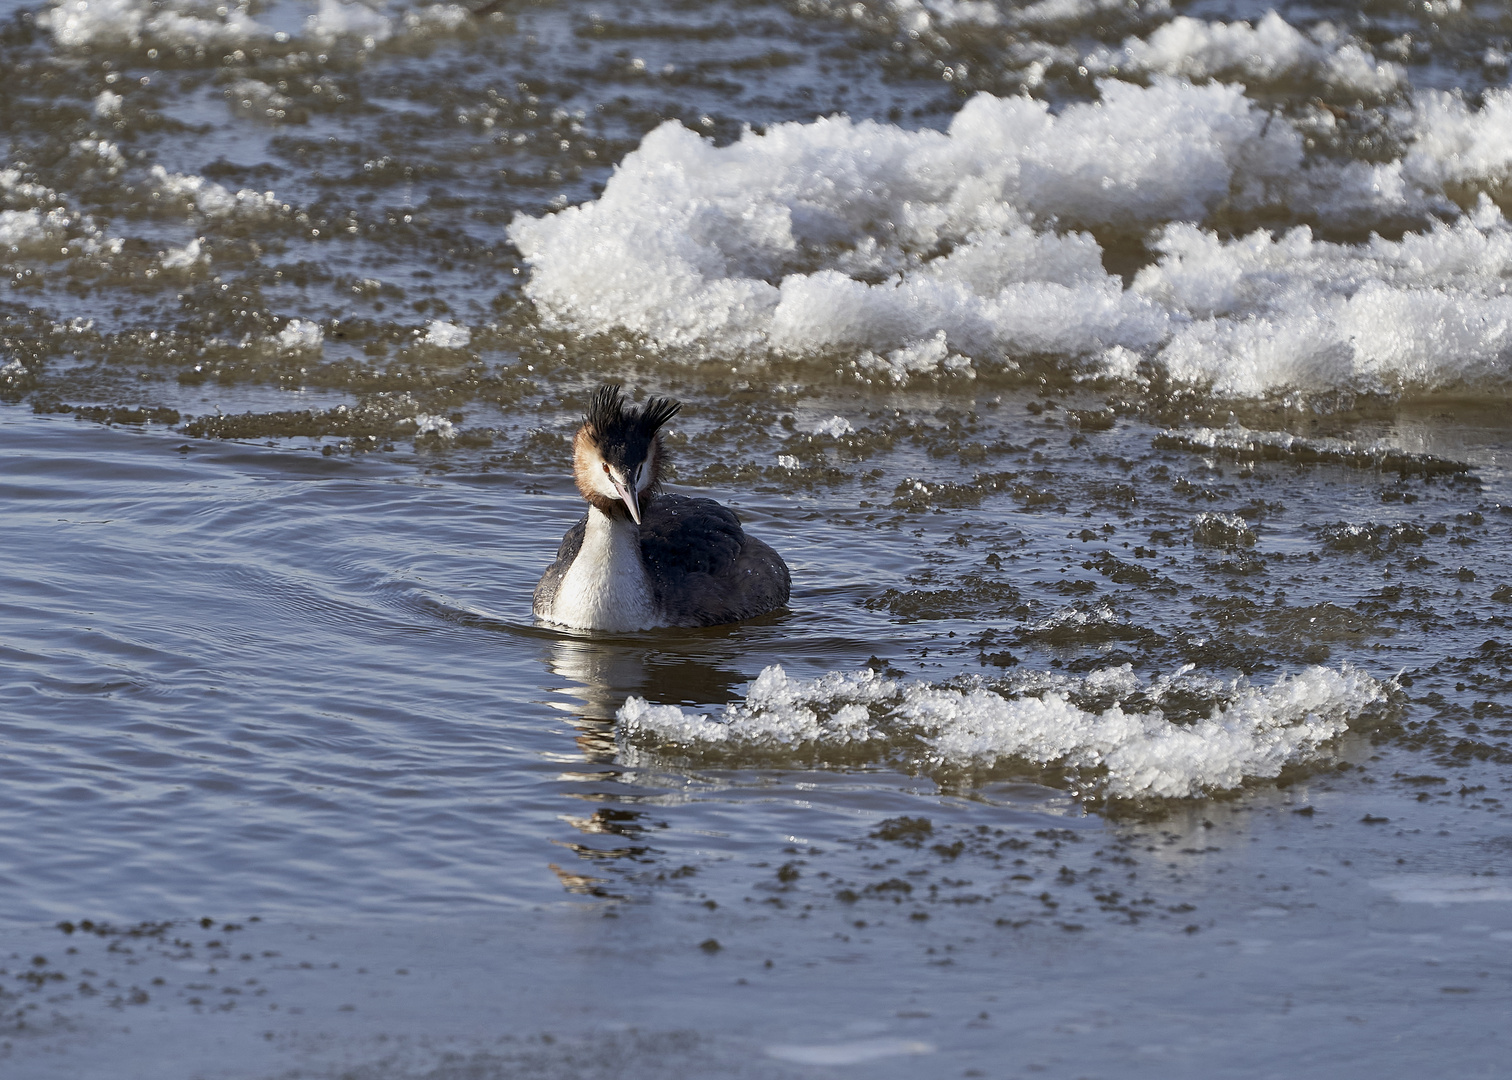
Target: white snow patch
835, 426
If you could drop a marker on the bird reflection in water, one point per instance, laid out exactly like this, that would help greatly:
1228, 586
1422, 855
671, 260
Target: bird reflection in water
592, 679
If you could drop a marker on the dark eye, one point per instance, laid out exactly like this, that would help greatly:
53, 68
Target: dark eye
606, 467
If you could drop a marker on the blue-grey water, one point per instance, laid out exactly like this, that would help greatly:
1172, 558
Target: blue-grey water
1200, 422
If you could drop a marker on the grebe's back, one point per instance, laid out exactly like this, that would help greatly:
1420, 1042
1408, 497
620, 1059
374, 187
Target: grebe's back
642, 558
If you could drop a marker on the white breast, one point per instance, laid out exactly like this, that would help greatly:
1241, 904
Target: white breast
606, 587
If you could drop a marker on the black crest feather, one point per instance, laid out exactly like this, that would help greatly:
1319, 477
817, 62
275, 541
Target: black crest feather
622, 432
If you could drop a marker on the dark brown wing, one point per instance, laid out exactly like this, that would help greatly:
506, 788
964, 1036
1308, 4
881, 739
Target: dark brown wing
551, 580
705, 569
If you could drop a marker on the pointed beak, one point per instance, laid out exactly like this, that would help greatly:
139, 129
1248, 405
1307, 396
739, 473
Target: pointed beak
627, 493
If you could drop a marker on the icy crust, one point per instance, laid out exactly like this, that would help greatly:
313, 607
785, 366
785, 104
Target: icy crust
1109, 728
1272, 52
909, 253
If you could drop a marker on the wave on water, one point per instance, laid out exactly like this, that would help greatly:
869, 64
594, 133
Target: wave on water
1123, 737
983, 246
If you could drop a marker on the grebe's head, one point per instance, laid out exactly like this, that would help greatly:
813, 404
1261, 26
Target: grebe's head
617, 453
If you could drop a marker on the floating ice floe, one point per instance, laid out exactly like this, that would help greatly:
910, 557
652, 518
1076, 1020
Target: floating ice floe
835, 426
927, 253
688, 239
1250, 732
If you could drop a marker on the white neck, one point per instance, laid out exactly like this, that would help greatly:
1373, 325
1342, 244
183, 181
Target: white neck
607, 587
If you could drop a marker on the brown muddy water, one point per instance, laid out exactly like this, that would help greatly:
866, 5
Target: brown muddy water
1125, 384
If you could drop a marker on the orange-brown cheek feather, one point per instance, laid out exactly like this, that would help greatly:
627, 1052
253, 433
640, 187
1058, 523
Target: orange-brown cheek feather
585, 461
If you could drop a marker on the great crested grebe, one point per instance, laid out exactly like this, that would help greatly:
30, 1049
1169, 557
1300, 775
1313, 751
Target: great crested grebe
642, 558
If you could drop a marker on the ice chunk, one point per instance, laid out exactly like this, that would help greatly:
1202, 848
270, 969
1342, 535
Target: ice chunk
1270, 52
299, 335
357, 22
1454, 145
211, 199
190, 255
28, 231
1250, 732
430, 424
258, 98
1427, 311
77, 24
924, 254
697, 246
335, 19
445, 335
